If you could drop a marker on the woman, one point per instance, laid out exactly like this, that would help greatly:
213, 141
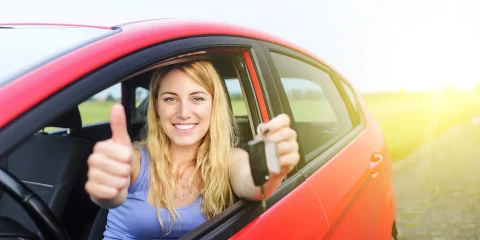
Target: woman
186, 169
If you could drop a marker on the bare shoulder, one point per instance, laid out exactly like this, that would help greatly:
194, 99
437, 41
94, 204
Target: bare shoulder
239, 154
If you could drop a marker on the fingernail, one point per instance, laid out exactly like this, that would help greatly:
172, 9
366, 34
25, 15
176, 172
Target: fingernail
266, 131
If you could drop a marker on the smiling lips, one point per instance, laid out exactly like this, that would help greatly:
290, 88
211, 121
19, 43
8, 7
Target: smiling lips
188, 126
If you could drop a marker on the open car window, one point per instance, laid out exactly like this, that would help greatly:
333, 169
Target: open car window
137, 88
97, 108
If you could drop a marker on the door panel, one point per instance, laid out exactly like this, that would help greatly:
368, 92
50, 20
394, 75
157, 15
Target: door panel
352, 189
350, 184
297, 216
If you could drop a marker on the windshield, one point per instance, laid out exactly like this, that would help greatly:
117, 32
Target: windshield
23, 48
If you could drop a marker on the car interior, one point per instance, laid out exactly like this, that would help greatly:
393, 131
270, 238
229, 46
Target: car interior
54, 164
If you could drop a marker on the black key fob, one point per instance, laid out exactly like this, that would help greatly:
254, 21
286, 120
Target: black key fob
258, 161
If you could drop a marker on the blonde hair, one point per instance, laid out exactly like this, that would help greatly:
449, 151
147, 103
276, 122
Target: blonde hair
212, 164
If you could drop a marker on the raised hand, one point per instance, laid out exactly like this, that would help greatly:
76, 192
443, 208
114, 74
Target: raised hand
278, 130
110, 164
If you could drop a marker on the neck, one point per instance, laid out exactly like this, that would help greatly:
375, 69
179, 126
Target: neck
183, 155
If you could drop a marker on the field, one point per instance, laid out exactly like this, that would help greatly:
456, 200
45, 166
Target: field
408, 120
436, 188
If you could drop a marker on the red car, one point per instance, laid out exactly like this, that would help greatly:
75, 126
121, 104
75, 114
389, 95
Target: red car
65, 76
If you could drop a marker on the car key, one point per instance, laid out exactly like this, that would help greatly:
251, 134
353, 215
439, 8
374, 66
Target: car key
263, 160
258, 166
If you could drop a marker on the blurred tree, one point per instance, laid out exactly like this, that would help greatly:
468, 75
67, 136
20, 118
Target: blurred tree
295, 94
236, 96
110, 98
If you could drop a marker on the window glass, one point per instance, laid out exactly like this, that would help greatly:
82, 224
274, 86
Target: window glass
351, 96
319, 112
236, 97
26, 47
141, 103
97, 108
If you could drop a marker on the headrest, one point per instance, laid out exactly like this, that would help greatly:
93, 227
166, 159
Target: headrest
69, 119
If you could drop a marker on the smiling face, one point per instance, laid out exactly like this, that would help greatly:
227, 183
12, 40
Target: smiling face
184, 108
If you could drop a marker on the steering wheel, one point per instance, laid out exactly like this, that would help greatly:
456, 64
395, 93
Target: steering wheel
36, 208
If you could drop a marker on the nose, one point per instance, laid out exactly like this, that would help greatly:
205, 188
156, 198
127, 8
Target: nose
184, 112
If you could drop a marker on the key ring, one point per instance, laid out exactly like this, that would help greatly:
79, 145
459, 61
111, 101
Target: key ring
258, 129
260, 134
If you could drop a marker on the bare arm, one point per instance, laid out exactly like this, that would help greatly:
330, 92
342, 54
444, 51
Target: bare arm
242, 180
277, 130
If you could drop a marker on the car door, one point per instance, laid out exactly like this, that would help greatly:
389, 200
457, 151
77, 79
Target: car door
294, 205
343, 152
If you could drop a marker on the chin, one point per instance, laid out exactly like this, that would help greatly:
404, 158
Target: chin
185, 142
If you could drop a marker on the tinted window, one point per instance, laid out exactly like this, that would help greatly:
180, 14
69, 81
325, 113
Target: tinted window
320, 114
26, 47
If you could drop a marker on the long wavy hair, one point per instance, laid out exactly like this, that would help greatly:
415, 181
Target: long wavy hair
212, 164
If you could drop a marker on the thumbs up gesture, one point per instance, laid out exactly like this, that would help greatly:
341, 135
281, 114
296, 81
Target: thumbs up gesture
110, 164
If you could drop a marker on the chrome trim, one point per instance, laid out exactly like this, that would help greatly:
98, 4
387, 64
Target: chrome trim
38, 184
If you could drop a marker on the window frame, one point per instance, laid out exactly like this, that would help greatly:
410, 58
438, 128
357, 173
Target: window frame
323, 153
356, 115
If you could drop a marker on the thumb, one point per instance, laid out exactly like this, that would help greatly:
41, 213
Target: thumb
118, 124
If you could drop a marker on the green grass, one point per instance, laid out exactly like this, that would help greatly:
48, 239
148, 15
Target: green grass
407, 120
94, 112
410, 120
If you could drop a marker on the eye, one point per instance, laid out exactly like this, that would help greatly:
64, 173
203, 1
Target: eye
198, 99
169, 99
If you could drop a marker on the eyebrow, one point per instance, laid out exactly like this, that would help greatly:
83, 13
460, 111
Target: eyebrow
193, 93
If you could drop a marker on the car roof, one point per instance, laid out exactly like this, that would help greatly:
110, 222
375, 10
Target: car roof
166, 25
132, 36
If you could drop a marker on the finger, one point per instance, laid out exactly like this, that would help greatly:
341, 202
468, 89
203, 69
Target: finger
101, 191
104, 178
284, 134
108, 165
278, 122
289, 161
114, 151
287, 147
118, 125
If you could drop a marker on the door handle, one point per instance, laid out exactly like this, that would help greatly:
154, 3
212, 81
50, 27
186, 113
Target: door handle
375, 164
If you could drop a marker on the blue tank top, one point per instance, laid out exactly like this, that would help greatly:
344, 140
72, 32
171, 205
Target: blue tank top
137, 219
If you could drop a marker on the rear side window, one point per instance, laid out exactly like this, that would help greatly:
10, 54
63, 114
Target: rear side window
321, 116
97, 108
235, 92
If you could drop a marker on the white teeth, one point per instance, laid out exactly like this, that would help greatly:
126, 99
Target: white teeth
184, 126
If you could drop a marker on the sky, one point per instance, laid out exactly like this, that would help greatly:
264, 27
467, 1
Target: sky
377, 45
